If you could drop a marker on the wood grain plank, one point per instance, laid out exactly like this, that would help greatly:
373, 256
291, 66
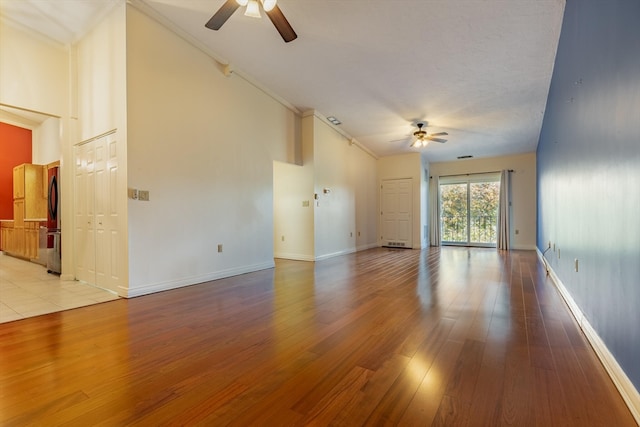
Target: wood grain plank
442, 336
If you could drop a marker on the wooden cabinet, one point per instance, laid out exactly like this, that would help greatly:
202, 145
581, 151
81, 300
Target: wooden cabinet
18, 181
29, 185
20, 237
18, 212
20, 241
6, 236
31, 229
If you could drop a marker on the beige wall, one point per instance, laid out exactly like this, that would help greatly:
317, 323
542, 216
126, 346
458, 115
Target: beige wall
101, 77
341, 220
47, 146
345, 215
204, 145
33, 72
523, 190
293, 220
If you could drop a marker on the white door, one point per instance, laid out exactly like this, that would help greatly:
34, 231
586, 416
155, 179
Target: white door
396, 212
101, 201
111, 218
84, 194
97, 221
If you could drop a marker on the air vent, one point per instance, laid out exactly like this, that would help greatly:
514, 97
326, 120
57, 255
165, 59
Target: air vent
396, 244
468, 156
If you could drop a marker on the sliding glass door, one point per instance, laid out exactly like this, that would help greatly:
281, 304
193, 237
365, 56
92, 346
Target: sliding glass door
469, 210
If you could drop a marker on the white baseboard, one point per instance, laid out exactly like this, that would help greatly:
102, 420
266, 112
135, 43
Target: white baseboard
298, 257
335, 254
295, 257
620, 379
193, 280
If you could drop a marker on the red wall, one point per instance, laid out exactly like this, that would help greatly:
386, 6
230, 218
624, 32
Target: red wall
15, 149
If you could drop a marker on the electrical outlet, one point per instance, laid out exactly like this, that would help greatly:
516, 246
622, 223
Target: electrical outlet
283, 238
305, 203
143, 195
517, 231
351, 234
220, 248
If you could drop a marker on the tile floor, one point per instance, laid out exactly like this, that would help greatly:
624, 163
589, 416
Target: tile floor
26, 290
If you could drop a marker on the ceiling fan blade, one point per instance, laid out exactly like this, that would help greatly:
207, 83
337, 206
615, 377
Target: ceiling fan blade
438, 134
221, 16
281, 24
440, 140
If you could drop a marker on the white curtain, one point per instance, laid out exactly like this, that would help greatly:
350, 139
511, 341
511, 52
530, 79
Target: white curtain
503, 210
434, 211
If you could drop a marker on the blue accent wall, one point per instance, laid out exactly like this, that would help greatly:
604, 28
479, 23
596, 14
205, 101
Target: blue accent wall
588, 163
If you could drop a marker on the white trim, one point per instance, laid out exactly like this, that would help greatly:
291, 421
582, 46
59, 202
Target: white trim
295, 257
137, 291
622, 382
298, 257
335, 254
94, 138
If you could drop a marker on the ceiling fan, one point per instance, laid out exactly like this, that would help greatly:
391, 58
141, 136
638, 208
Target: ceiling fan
422, 139
253, 10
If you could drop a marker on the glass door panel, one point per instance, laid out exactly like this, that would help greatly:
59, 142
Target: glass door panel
469, 212
483, 220
453, 213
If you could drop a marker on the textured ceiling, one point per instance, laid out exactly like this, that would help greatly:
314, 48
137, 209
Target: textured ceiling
477, 69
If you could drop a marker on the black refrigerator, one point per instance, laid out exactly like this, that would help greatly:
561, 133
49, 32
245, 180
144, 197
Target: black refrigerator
54, 248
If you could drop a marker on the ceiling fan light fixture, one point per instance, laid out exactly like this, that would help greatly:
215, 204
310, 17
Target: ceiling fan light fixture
253, 9
268, 5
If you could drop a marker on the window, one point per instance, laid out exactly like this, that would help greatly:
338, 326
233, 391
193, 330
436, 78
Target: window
469, 209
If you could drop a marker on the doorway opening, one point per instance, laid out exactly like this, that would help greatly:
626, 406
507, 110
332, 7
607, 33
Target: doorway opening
469, 210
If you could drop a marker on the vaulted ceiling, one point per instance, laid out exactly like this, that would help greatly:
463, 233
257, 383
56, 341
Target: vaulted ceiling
479, 70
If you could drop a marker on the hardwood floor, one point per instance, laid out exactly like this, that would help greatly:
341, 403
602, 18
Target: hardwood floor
450, 336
